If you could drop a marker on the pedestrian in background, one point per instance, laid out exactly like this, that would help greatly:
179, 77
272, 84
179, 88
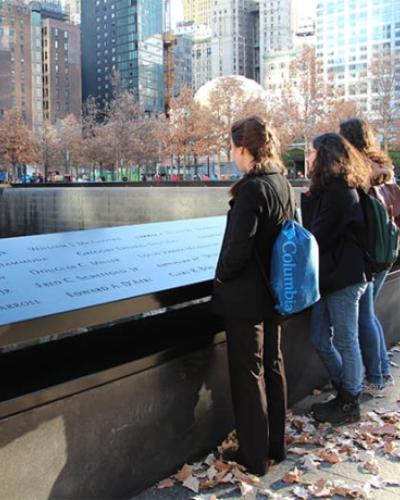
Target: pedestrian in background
372, 339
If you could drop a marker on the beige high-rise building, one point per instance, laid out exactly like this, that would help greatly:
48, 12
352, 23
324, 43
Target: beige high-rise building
198, 11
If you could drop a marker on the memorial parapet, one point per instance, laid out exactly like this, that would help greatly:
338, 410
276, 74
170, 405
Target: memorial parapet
52, 284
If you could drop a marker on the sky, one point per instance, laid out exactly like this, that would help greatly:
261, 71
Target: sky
176, 11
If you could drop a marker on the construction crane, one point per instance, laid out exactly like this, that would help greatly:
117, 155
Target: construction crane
169, 40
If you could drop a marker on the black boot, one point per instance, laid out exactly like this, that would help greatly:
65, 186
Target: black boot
317, 406
344, 409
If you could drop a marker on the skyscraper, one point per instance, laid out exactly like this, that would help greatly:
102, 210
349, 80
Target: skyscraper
73, 9
351, 34
62, 92
235, 38
276, 30
16, 60
199, 11
124, 38
39, 62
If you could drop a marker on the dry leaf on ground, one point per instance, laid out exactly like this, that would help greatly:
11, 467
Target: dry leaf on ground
299, 451
321, 489
309, 463
294, 476
192, 483
300, 492
184, 473
246, 488
331, 457
165, 483
372, 467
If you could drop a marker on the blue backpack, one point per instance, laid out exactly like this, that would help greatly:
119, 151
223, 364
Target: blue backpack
294, 272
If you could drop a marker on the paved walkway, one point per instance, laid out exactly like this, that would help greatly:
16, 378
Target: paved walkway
356, 461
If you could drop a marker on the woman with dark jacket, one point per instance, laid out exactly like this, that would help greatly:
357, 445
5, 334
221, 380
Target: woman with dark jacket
241, 295
372, 338
333, 213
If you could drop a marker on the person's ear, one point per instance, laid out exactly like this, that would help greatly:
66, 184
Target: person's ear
242, 151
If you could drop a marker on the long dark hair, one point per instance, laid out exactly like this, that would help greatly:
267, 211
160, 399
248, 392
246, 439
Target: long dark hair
361, 135
337, 159
254, 134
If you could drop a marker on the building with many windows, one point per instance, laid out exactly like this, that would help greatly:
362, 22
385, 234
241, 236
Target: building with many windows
123, 38
201, 36
39, 62
62, 93
73, 9
201, 57
235, 38
277, 18
198, 11
182, 63
352, 35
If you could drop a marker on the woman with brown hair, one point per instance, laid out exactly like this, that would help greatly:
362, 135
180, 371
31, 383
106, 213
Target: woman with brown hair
332, 212
372, 339
260, 203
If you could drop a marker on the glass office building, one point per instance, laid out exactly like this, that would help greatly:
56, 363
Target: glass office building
127, 38
350, 35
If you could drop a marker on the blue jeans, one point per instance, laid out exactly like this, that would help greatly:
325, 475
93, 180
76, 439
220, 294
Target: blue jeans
334, 334
372, 338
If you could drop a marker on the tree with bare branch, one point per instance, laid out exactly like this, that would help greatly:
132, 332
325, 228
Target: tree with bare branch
17, 144
385, 109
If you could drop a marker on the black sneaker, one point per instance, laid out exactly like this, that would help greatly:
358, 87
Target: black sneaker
344, 409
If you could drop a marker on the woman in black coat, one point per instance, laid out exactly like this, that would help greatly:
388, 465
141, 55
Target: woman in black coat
242, 297
332, 211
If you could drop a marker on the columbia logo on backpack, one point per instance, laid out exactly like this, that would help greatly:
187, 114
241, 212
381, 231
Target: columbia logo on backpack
294, 272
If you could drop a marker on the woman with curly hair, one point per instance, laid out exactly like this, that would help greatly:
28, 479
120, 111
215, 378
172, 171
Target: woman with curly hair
261, 202
372, 339
332, 212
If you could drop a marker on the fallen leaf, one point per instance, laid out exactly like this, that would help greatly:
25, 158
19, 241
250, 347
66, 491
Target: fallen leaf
299, 451
165, 483
372, 467
330, 457
350, 490
310, 463
210, 459
300, 492
222, 466
245, 488
211, 472
192, 483
321, 489
183, 473
246, 478
388, 429
294, 476
377, 483
390, 447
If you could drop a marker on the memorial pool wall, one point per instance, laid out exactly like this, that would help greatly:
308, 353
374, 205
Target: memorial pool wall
107, 411
40, 210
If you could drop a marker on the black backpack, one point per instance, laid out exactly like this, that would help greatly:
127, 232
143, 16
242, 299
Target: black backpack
381, 240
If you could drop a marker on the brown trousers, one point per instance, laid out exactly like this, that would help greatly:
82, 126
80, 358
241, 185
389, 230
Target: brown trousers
258, 387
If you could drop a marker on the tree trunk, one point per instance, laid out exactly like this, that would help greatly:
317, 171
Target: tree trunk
218, 165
